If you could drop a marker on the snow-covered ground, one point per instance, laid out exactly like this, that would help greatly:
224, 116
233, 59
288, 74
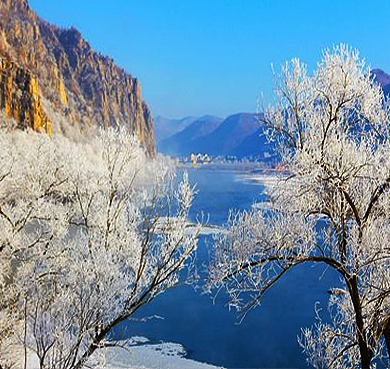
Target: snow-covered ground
139, 354
164, 355
143, 355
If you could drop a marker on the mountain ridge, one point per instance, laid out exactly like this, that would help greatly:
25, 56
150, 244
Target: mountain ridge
186, 141
229, 134
240, 135
166, 127
80, 89
213, 136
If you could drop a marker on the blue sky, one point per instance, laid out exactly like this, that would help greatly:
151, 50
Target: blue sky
196, 57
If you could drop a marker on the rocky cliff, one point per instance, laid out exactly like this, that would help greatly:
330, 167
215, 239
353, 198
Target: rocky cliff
20, 97
78, 88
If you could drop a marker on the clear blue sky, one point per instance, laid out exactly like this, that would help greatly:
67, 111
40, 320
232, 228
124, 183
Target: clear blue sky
196, 57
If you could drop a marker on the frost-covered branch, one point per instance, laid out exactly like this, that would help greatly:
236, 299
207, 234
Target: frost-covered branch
332, 130
80, 252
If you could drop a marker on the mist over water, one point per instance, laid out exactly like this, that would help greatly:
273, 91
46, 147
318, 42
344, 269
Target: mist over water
267, 337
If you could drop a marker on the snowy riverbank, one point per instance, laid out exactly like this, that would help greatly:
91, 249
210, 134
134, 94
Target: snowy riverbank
139, 354
165, 355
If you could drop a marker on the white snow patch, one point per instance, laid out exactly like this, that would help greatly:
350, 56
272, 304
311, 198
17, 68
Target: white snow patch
268, 180
137, 353
165, 355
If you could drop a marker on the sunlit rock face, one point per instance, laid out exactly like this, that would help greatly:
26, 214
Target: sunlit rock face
20, 97
79, 88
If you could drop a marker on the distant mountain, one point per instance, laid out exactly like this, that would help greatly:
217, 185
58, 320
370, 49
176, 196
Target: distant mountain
229, 135
239, 134
187, 141
380, 76
165, 127
256, 145
383, 80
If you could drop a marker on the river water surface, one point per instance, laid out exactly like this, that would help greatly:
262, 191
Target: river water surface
267, 337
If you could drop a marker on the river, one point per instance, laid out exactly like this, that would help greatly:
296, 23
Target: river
267, 337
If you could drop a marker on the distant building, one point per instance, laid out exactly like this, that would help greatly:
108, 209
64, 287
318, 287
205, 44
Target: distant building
194, 159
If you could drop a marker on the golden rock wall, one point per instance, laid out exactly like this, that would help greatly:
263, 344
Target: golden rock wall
20, 97
86, 88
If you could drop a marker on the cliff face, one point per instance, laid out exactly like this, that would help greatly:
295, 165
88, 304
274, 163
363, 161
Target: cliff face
84, 88
20, 97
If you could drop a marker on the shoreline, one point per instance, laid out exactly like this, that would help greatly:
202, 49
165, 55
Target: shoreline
141, 353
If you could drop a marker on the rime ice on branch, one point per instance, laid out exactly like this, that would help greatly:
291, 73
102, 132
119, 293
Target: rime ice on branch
78, 243
332, 128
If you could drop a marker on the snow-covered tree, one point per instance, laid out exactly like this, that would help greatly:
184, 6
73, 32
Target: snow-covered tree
89, 233
333, 207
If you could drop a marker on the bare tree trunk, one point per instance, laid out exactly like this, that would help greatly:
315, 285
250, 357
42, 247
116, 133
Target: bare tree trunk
365, 352
352, 283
